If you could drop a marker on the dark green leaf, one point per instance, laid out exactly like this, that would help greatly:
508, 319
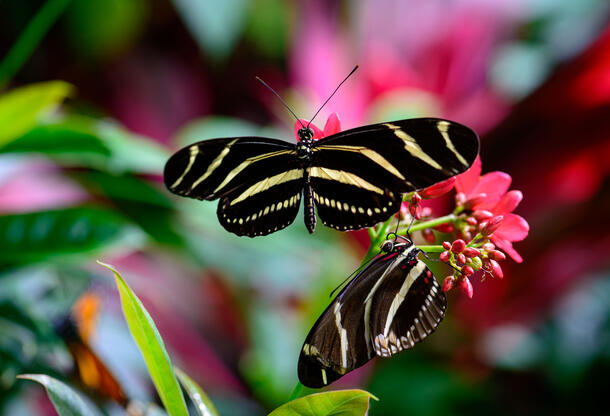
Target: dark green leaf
43, 235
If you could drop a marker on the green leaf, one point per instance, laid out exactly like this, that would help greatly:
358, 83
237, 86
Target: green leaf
151, 346
203, 404
339, 402
43, 235
66, 401
21, 108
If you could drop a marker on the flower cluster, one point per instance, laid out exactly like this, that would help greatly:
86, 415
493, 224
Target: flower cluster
482, 224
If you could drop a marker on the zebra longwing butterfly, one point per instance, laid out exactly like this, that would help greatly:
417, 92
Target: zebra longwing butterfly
355, 178
393, 303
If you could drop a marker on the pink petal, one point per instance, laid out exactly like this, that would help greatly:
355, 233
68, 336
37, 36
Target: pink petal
333, 125
317, 133
493, 184
513, 228
508, 202
507, 246
438, 189
465, 182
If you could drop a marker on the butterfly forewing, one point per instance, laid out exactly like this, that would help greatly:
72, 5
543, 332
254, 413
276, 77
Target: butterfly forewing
389, 306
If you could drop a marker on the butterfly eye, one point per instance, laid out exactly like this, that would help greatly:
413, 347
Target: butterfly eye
387, 246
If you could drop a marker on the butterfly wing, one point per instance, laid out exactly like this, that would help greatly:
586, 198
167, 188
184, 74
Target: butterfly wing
258, 180
359, 175
337, 343
407, 307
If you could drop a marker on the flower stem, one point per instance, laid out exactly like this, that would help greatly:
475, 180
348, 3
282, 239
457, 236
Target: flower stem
433, 223
432, 248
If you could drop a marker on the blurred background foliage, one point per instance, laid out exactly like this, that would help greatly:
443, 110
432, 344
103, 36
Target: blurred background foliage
112, 87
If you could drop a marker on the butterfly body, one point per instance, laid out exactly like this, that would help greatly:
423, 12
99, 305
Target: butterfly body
353, 179
389, 306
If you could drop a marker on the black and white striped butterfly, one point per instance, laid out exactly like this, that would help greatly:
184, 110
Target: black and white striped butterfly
389, 306
354, 178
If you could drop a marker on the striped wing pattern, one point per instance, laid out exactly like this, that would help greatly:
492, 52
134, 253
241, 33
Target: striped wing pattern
258, 180
389, 306
359, 175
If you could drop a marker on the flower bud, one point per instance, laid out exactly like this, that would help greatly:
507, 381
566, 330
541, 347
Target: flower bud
466, 287
482, 215
448, 283
458, 245
467, 271
446, 245
475, 200
476, 263
489, 246
496, 270
461, 258
471, 252
471, 220
445, 256
491, 225
496, 255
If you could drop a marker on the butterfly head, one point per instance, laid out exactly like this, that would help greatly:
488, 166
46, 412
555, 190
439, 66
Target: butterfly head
305, 134
398, 243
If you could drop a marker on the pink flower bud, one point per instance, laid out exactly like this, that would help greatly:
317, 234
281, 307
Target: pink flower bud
496, 270
466, 287
471, 252
446, 245
428, 235
445, 256
471, 220
448, 283
460, 198
444, 228
482, 215
415, 199
461, 258
491, 225
476, 263
467, 271
496, 255
458, 246
475, 200
438, 189
489, 247
415, 211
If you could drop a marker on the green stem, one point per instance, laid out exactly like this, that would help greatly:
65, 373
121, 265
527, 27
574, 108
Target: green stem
296, 392
30, 38
433, 223
432, 248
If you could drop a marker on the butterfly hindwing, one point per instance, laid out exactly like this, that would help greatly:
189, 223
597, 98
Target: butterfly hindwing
337, 344
389, 306
406, 308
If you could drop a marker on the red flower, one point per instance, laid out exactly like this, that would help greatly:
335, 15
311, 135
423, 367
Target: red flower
332, 126
489, 193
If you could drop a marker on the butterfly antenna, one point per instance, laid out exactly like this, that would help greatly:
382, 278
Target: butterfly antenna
366, 263
409, 227
331, 96
281, 100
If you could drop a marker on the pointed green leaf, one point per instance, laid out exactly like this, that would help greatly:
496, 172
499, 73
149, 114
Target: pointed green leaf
21, 108
67, 402
202, 402
338, 402
151, 346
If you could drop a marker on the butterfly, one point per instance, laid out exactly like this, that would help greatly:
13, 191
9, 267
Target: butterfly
393, 303
353, 179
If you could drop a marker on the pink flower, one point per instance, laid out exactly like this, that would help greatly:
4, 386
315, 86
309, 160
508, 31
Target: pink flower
332, 126
490, 193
